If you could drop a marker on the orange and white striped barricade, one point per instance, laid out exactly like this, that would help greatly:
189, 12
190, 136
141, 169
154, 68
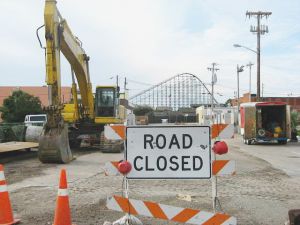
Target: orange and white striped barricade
223, 167
115, 132
166, 212
118, 131
219, 168
222, 131
111, 168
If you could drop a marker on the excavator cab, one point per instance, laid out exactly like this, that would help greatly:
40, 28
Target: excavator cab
107, 111
106, 104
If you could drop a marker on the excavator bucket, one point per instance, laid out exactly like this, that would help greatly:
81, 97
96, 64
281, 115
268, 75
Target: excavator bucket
54, 146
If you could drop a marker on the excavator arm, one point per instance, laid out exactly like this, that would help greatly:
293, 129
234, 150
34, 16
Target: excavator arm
54, 143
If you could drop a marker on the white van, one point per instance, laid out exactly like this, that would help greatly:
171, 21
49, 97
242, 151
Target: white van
35, 120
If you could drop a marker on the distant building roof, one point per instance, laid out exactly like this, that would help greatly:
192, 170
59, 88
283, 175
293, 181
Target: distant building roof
293, 101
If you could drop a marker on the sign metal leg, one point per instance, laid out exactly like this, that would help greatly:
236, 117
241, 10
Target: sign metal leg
128, 219
215, 200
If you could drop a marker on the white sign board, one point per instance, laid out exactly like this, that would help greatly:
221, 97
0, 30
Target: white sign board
168, 152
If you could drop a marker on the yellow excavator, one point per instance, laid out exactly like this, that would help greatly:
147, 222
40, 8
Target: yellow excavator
87, 114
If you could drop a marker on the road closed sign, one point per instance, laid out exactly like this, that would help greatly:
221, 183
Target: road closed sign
169, 152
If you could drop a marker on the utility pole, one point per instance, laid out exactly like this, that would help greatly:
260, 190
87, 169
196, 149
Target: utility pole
260, 30
125, 88
213, 70
125, 84
214, 182
250, 64
117, 79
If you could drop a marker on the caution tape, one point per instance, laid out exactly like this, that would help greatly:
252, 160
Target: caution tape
219, 168
222, 131
166, 212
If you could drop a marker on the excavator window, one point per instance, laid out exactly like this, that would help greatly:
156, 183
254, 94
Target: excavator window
105, 102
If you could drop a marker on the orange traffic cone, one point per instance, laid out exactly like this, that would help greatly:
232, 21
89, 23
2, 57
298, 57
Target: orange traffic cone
62, 212
6, 214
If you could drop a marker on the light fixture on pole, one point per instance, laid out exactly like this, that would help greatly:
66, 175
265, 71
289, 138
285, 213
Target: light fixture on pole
117, 82
258, 73
242, 46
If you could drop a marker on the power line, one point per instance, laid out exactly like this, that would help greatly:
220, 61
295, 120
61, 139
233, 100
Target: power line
141, 83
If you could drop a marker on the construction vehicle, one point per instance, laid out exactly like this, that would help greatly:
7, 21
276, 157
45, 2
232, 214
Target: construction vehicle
86, 115
265, 122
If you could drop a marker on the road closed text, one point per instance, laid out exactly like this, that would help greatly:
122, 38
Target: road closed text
174, 163
168, 152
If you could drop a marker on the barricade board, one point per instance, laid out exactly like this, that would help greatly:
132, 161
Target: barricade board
169, 152
167, 212
219, 168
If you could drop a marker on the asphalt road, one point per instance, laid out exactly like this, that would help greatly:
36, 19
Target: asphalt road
283, 157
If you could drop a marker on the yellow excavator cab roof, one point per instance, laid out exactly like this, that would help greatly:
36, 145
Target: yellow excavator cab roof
108, 86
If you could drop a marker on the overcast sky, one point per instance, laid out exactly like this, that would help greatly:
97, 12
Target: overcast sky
148, 41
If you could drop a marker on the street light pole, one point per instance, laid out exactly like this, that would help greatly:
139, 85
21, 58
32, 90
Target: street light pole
239, 69
250, 65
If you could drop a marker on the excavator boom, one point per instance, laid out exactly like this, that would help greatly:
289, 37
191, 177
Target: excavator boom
54, 143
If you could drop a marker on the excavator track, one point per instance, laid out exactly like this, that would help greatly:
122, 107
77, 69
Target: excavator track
54, 146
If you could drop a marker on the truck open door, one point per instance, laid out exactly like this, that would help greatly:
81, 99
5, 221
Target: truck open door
250, 124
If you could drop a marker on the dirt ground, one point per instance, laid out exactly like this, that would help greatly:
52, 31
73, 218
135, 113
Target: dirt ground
257, 195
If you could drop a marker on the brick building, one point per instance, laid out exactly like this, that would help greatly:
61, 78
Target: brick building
40, 92
294, 102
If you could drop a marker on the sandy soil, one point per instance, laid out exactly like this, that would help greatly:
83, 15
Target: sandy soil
258, 195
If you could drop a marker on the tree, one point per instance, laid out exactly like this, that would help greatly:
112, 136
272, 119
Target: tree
142, 110
294, 119
18, 105
228, 102
294, 123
